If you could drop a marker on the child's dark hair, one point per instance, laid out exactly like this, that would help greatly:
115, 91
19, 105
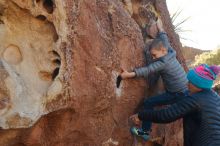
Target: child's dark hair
157, 44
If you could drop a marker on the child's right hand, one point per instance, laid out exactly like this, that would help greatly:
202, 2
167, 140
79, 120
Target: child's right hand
125, 74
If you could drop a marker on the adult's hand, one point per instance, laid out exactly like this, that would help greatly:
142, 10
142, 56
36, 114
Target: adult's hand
134, 118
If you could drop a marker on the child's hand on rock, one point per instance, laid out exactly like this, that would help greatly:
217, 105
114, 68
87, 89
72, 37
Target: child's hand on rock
126, 75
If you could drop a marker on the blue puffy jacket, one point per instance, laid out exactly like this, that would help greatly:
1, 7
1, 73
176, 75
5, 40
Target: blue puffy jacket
201, 118
169, 68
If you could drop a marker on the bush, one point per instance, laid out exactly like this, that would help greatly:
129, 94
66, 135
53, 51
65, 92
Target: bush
210, 58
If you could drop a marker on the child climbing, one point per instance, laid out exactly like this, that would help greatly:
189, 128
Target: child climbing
172, 73
199, 110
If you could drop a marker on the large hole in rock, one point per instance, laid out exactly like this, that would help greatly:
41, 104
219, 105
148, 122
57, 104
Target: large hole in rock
49, 6
41, 17
57, 61
55, 53
118, 81
55, 73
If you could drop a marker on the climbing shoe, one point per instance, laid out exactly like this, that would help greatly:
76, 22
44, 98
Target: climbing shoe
139, 132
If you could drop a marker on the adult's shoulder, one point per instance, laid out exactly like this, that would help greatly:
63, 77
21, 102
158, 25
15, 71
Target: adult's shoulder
204, 94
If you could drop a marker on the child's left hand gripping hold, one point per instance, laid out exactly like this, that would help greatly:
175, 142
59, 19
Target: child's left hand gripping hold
126, 75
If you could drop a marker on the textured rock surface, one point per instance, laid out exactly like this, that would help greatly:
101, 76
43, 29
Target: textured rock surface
59, 64
28, 45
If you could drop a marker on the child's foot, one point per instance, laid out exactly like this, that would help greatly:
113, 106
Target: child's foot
139, 132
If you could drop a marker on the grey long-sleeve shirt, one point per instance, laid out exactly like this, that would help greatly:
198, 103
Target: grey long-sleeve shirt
172, 73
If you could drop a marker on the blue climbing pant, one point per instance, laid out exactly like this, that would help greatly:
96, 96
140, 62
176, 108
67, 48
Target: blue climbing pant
166, 98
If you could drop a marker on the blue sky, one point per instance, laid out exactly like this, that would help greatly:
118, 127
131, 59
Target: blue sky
204, 22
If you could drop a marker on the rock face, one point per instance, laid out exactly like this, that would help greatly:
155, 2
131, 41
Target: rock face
59, 65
